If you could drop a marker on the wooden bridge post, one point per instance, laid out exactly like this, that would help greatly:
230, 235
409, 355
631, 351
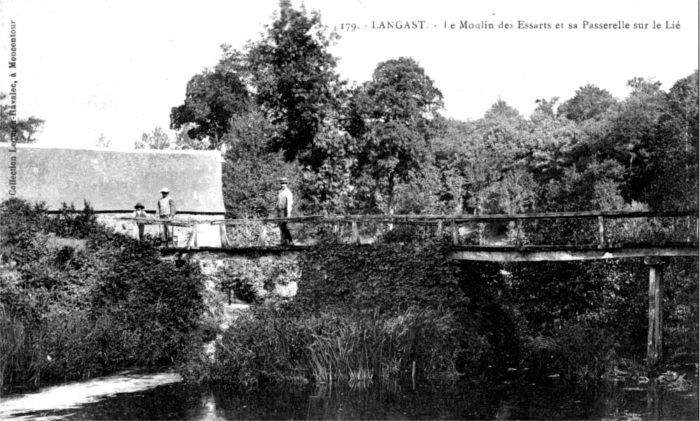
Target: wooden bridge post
192, 243
438, 232
224, 236
656, 295
194, 234
601, 232
455, 233
263, 235
169, 234
355, 233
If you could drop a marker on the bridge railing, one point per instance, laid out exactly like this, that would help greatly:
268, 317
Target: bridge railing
599, 229
189, 226
590, 228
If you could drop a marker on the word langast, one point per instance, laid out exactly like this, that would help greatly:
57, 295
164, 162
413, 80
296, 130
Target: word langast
399, 24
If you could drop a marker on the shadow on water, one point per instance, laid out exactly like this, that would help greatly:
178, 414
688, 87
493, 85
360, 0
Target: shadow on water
163, 396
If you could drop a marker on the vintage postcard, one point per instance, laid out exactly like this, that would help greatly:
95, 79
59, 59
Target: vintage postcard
407, 192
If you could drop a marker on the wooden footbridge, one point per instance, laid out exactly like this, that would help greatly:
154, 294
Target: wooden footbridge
654, 236
665, 234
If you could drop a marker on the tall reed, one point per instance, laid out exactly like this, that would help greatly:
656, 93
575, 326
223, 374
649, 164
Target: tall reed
11, 341
348, 346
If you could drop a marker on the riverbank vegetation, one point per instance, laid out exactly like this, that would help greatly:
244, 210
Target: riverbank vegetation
382, 147
78, 300
360, 314
400, 311
269, 344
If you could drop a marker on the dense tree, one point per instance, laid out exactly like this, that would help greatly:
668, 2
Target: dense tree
551, 144
25, 128
401, 91
184, 141
28, 128
157, 139
212, 98
285, 83
382, 146
672, 169
632, 132
545, 108
398, 106
328, 187
393, 152
514, 192
496, 150
450, 150
294, 78
103, 141
589, 102
250, 170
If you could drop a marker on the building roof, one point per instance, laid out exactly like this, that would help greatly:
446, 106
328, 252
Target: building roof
112, 180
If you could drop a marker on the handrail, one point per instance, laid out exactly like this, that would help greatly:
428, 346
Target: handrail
449, 222
107, 211
157, 221
464, 218
426, 218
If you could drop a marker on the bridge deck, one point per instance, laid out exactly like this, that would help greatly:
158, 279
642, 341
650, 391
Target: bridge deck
567, 253
607, 237
473, 253
224, 252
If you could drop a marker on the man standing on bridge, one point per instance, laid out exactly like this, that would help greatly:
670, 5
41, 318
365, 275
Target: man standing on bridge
284, 210
166, 210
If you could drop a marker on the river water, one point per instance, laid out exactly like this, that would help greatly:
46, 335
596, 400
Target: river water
136, 395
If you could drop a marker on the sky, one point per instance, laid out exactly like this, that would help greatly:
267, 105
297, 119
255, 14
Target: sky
116, 67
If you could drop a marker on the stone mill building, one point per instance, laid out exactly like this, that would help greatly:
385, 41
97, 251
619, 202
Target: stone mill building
113, 181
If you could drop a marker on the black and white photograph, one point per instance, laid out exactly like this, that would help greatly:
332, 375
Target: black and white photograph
349, 210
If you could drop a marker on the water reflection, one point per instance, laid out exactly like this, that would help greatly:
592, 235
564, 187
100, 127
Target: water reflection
51, 402
163, 396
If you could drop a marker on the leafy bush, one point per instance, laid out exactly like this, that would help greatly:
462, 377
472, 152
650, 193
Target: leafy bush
74, 223
156, 299
577, 319
88, 305
390, 277
19, 228
681, 312
572, 352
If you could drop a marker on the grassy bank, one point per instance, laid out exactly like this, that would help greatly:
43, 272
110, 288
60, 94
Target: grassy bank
78, 300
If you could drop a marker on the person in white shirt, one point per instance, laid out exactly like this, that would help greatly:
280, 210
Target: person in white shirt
166, 210
285, 200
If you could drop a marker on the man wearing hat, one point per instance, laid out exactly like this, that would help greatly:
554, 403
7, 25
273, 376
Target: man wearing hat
166, 210
284, 210
139, 213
